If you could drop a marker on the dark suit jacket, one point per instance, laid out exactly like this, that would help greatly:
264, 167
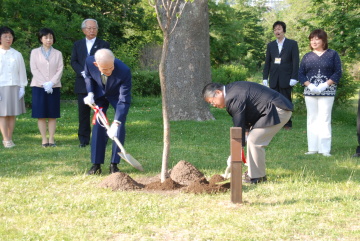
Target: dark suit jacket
118, 86
253, 105
280, 74
78, 57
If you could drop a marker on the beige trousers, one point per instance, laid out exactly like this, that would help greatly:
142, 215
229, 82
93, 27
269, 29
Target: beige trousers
257, 140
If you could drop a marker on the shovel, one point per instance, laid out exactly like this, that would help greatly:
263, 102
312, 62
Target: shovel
126, 156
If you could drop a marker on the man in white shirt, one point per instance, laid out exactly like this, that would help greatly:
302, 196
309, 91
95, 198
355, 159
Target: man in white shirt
81, 50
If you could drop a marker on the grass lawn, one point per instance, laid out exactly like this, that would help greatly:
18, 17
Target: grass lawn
45, 194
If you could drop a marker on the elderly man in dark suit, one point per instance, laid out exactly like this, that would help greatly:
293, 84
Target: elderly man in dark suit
281, 64
255, 107
81, 50
108, 81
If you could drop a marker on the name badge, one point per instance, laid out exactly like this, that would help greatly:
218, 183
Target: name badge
277, 60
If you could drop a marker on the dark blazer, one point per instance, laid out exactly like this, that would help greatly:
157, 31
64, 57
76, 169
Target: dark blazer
78, 57
118, 86
280, 74
252, 105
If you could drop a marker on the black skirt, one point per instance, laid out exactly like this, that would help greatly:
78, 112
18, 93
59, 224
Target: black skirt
45, 105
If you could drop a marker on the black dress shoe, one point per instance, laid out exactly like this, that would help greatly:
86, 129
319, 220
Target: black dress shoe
356, 155
83, 145
255, 180
114, 168
95, 169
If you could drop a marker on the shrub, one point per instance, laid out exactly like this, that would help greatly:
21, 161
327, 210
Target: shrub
226, 74
145, 83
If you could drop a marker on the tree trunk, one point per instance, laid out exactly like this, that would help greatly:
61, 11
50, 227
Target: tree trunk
188, 64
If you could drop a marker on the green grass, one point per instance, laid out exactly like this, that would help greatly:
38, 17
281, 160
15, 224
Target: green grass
45, 194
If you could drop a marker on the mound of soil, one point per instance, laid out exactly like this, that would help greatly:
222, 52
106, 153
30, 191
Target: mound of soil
184, 176
203, 186
120, 181
169, 184
185, 173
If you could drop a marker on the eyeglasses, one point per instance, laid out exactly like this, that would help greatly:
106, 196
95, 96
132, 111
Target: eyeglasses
212, 100
89, 29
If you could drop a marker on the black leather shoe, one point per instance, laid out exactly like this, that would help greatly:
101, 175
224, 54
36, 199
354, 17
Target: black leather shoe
255, 180
114, 168
356, 155
95, 169
83, 145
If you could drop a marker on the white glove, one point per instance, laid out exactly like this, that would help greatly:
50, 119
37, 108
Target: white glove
265, 82
112, 131
21, 92
89, 99
313, 89
228, 162
83, 74
323, 86
293, 82
228, 169
48, 87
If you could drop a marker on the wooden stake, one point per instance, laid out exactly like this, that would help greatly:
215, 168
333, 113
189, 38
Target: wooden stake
236, 164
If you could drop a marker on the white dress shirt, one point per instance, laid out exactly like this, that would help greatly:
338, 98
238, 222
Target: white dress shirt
90, 44
280, 45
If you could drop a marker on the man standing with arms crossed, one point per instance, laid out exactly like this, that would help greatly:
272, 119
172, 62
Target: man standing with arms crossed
81, 50
281, 64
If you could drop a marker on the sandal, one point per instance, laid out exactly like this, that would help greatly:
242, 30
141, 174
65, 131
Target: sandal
8, 144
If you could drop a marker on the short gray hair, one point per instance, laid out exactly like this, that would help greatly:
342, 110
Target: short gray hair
83, 24
210, 89
104, 55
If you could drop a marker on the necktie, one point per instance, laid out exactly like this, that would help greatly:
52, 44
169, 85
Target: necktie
103, 79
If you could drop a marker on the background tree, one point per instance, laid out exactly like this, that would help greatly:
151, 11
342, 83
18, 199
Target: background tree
236, 34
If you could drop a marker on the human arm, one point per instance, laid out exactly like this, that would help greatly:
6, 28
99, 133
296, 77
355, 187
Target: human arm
124, 97
266, 69
76, 59
35, 67
22, 72
59, 65
295, 63
337, 70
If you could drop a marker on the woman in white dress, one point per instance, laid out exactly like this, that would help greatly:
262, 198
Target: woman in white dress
13, 80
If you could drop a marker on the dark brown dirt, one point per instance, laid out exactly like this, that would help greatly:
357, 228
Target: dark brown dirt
169, 184
185, 173
120, 181
184, 177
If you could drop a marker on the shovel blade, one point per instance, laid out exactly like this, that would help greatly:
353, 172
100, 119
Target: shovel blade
131, 160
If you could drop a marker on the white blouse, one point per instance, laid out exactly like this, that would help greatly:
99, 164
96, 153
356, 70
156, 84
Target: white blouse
12, 68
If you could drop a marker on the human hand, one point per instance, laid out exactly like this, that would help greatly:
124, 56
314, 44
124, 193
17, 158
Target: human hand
323, 86
293, 82
48, 87
21, 92
89, 99
313, 89
112, 131
228, 169
265, 82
